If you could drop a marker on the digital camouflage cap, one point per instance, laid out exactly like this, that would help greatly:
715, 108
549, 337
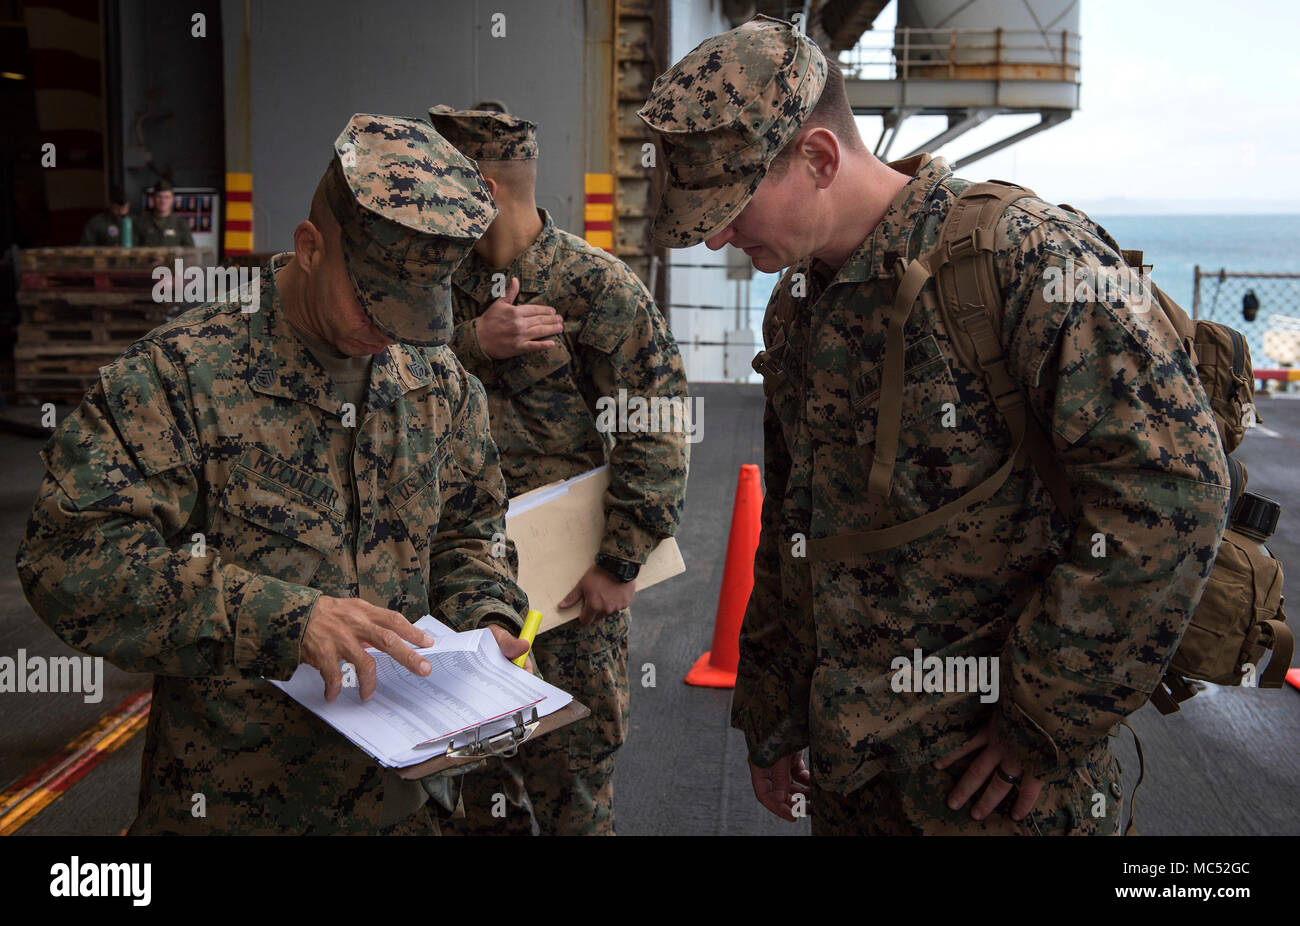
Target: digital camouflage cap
486, 135
409, 207
723, 113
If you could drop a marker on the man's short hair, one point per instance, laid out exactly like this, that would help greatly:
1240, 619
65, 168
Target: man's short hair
161, 185
117, 195
514, 179
831, 112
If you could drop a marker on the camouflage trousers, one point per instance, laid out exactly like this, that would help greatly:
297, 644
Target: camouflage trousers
562, 783
1083, 801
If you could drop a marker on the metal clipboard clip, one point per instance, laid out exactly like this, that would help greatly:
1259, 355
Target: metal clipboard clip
504, 744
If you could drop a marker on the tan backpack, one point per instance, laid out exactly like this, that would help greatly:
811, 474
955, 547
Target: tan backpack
1239, 616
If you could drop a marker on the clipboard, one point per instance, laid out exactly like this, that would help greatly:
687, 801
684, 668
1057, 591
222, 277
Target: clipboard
504, 744
557, 531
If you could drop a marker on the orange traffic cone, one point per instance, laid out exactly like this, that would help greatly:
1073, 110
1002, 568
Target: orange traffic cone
717, 667
1293, 678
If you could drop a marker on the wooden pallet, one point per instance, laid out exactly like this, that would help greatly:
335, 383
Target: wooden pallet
28, 375
73, 307
82, 307
81, 280
46, 260
107, 332
62, 390
77, 358
56, 379
60, 372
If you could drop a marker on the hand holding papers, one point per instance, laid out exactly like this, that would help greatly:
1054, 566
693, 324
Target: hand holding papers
473, 692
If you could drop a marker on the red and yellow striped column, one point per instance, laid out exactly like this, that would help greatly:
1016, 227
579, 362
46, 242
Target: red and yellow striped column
239, 214
598, 211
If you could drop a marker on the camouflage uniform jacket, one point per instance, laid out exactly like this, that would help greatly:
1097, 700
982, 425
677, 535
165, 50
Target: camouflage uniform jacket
223, 424
1129, 421
543, 406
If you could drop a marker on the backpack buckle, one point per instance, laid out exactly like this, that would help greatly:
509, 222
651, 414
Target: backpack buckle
1011, 398
966, 313
980, 239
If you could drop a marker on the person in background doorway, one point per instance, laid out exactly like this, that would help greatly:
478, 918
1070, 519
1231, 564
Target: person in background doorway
160, 227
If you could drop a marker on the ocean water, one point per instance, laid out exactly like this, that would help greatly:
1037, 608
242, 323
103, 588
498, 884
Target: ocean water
1174, 245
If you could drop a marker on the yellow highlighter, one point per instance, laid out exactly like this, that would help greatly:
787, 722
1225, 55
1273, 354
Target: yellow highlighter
531, 623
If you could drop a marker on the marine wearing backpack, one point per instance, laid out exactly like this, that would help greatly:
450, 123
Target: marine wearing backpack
833, 606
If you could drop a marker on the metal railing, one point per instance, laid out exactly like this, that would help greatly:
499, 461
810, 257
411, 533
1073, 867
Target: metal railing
963, 54
1265, 307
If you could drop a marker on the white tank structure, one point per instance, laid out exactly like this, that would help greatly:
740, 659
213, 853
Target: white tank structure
968, 60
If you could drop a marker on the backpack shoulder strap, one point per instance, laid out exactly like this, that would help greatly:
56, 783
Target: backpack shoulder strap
962, 263
970, 303
970, 300
961, 233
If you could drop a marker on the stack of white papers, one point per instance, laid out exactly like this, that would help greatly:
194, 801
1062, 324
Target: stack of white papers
410, 718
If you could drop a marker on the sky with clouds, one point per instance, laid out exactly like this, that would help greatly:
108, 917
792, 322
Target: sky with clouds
1185, 106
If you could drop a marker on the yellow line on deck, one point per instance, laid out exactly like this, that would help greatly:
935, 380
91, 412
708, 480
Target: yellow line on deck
43, 786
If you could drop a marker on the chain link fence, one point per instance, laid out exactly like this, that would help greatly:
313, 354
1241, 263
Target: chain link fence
1265, 307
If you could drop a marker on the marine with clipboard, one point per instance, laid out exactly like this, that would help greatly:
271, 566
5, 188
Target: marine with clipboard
226, 505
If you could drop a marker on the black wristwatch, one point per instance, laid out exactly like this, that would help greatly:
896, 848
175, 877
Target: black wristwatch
621, 569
